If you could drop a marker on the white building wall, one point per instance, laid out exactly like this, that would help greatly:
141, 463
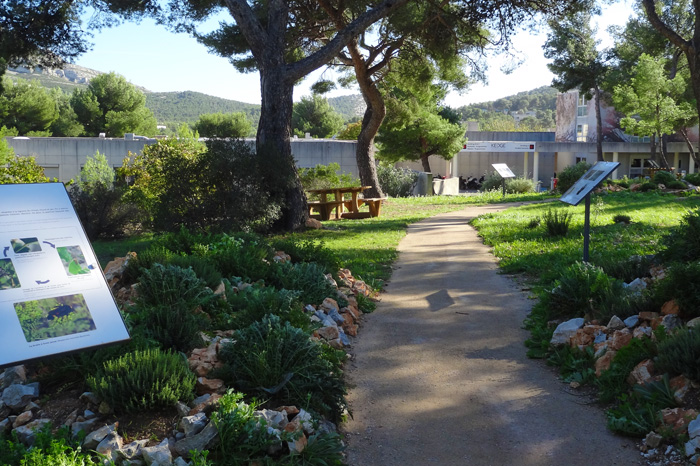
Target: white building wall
63, 157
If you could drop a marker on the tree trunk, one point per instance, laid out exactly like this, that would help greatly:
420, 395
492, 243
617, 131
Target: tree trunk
273, 143
425, 162
691, 149
663, 151
652, 151
599, 125
365, 149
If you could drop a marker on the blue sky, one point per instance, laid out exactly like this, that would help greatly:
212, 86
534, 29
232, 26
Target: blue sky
149, 56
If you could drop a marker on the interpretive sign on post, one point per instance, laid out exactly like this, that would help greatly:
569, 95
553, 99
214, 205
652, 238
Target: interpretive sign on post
582, 190
505, 172
53, 295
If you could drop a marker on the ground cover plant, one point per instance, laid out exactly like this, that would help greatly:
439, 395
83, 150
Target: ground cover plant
632, 234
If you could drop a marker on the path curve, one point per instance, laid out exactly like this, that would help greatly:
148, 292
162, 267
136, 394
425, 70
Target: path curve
439, 373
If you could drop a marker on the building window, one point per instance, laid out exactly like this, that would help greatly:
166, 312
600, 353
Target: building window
581, 133
51, 171
580, 159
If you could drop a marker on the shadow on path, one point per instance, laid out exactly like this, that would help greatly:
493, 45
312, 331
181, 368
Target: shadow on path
440, 376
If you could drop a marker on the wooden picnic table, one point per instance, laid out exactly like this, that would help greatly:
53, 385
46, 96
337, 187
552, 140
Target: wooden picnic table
338, 202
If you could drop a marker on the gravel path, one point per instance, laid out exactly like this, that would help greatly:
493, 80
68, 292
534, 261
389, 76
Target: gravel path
440, 376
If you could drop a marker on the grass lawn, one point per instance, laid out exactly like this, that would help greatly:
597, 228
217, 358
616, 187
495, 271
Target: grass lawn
524, 248
367, 247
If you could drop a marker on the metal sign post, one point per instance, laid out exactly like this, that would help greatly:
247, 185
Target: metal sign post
505, 172
582, 190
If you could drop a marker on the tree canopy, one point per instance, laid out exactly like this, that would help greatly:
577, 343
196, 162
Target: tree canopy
223, 125
315, 116
112, 105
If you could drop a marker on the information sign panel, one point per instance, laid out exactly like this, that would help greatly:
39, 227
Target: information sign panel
503, 170
53, 295
500, 146
587, 183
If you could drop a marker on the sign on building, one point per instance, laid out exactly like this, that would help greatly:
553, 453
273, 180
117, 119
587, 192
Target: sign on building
53, 295
500, 146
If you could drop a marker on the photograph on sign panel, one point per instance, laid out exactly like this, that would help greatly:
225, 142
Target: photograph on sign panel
54, 317
23, 245
73, 260
8, 275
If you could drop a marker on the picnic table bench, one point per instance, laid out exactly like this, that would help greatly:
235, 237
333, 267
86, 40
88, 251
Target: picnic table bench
339, 204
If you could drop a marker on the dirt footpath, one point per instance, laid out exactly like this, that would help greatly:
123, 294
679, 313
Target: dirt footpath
440, 376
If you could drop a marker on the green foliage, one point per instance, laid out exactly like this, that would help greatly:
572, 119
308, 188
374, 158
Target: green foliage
537, 323
693, 178
243, 255
169, 284
663, 177
365, 304
279, 362
323, 449
27, 106
66, 124
396, 182
637, 414
648, 186
308, 278
570, 175
112, 105
143, 380
575, 365
99, 202
493, 182
557, 222
303, 249
683, 243
351, 132
22, 170
520, 185
315, 116
245, 190
586, 290
219, 125
243, 437
622, 218
682, 283
676, 184
680, 353
251, 304
651, 100
59, 449
613, 382
187, 106
627, 269
164, 181
325, 176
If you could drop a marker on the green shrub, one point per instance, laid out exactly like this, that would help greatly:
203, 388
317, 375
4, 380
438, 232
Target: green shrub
637, 415
683, 242
556, 222
396, 182
323, 449
584, 290
520, 185
203, 267
103, 212
693, 178
170, 284
366, 305
623, 182
626, 270
575, 365
49, 449
144, 380
570, 175
492, 182
680, 353
664, 177
302, 249
326, 176
682, 283
243, 255
620, 218
676, 184
648, 186
243, 437
307, 277
254, 302
276, 361
613, 382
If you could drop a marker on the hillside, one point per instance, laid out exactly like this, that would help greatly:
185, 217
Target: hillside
542, 98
